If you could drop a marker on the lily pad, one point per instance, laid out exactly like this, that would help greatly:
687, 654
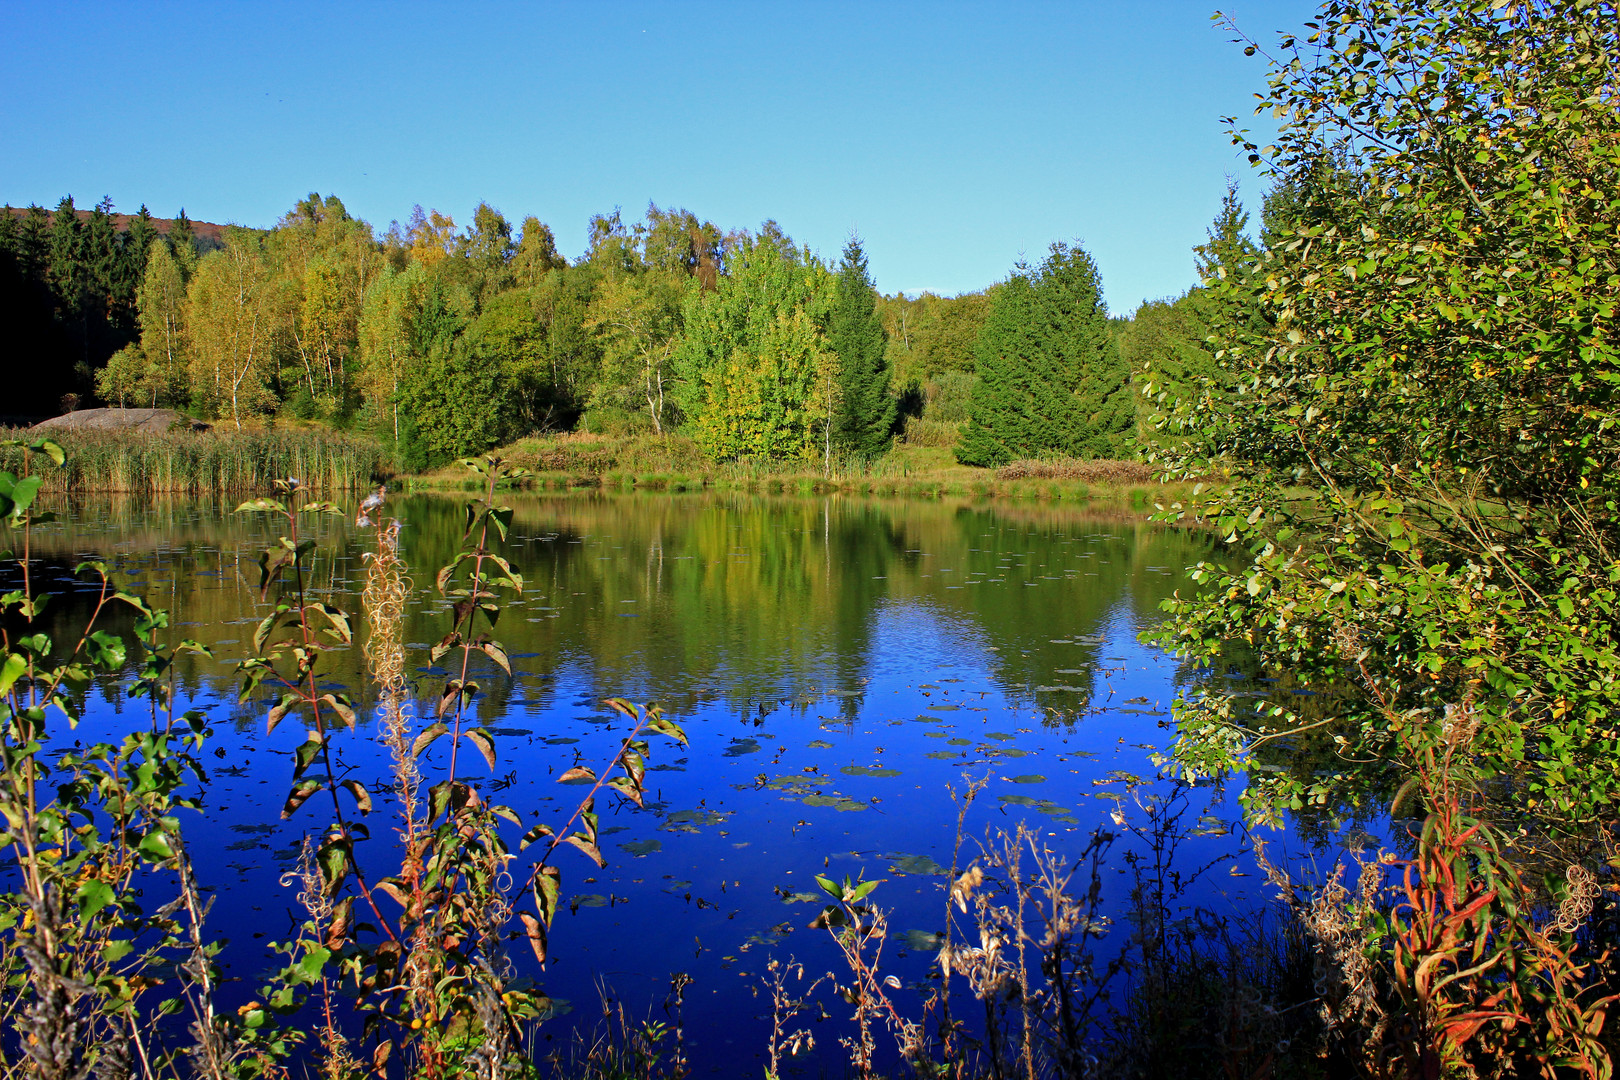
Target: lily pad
739, 747
868, 770
638, 848
819, 744
923, 940
958, 742
837, 802
942, 755
915, 864
1028, 778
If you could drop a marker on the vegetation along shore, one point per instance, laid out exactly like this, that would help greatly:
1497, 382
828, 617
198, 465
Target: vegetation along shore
1369, 831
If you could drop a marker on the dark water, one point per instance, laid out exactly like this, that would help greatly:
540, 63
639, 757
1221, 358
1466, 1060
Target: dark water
838, 664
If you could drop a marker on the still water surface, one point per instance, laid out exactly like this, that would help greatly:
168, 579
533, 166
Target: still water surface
838, 664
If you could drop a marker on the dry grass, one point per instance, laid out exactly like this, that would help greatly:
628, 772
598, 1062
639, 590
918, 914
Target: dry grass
1098, 471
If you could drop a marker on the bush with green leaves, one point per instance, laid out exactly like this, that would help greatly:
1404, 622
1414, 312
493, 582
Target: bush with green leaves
1424, 430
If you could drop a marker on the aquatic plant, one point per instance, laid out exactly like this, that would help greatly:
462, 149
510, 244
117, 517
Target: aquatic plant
198, 463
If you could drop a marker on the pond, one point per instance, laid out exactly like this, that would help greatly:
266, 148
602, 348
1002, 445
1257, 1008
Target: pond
839, 665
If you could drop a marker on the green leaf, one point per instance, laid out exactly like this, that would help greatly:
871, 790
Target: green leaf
482, 739
12, 670
156, 846
300, 793
50, 449
92, 896
362, 797
425, 739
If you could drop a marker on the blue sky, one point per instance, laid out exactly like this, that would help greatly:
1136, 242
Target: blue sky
952, 137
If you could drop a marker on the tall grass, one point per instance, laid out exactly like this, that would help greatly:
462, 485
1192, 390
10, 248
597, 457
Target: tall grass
201, 463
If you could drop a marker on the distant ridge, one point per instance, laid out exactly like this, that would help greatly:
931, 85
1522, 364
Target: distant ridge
210, 234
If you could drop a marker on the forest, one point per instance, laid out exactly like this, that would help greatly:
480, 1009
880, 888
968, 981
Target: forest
443, 341
1388, 426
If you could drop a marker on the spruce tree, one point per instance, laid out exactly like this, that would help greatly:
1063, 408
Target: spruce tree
66, 240
136, 246
1051, 380
999, 407
865, 420
183, 240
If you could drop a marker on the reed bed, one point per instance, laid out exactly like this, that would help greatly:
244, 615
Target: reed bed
201, 463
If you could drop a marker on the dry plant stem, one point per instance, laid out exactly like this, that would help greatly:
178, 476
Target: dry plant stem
964, 803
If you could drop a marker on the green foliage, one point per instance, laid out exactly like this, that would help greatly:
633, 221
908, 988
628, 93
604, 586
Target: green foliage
1050, 377
865, 411
458, 400
755, 375
1165, 345
932, 334
1425, 419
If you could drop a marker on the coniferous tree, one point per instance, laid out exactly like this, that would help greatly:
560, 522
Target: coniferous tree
66, 242
1051, 377
865, 411
999, 410
101, 249
183, 242
137, 245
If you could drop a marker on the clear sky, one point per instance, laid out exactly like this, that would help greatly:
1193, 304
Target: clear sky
951, 137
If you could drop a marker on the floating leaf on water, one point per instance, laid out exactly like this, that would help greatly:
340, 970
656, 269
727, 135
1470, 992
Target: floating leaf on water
841, 803
588, 900
943, 755
1137, 701
1002, 735
802, 898
915, 864
818, 744
924, 718
945, 708
514, 732
1143, 712
560, 740
1060, 689
1028, 778
739, 747
1011, 751
867, 770
923, 940
936, 735
1019, 800
697, 817
638, 848
959, 741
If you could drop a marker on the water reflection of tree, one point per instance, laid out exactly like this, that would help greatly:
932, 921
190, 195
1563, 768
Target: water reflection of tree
707, 597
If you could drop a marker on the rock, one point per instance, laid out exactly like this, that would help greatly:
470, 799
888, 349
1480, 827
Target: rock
145, 421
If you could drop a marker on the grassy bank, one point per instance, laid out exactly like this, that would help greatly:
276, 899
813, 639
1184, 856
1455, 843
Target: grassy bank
674, 463
200, 463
